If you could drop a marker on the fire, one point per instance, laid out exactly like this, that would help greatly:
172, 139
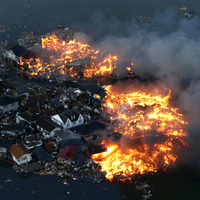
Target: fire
140, 116
62, 53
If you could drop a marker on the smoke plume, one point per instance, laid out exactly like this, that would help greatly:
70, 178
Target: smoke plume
169, 52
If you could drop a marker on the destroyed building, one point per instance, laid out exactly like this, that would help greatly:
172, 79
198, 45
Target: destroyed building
96, 94
14, 51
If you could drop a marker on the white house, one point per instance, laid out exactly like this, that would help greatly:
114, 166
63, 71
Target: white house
47, 127
20, 154
68, 119
8, 103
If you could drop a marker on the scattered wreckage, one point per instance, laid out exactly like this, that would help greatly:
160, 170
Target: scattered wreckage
51, 128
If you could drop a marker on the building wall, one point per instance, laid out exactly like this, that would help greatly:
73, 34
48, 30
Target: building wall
23, 159
19, 118
12, 56
69, 124
60, 123
10, 107
51, 134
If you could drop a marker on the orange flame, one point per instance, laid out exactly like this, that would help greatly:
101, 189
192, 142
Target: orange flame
63, 53
137, 114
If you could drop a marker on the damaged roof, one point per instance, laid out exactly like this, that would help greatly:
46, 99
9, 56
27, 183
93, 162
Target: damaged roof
18, 150
21, 90
17, 49
71, 114
85, 61
6, 100
46, 124
77, 142
41, 154
68, 152
85, 129
29, 116
96, 89
5, 143
67, 134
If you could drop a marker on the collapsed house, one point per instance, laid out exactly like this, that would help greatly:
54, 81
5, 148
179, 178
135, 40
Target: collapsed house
41, 154
14, 51
27, 117
96, 94
67, 135
85, 61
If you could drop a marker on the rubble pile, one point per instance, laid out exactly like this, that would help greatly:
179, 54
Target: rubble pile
145, 188
30, 38
67, 168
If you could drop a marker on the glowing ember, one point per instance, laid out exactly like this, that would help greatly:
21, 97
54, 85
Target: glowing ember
141, 117
62, 53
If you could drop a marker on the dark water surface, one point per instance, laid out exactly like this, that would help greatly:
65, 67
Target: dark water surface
42, 16
36, 187
182, 184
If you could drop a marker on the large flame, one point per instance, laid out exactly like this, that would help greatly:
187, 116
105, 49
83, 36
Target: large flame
140, 116
62, 53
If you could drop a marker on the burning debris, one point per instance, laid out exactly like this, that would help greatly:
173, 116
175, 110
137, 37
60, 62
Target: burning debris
67, 57
136, 115
136, 132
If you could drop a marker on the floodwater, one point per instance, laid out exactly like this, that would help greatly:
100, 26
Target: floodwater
83, 15
96, 18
